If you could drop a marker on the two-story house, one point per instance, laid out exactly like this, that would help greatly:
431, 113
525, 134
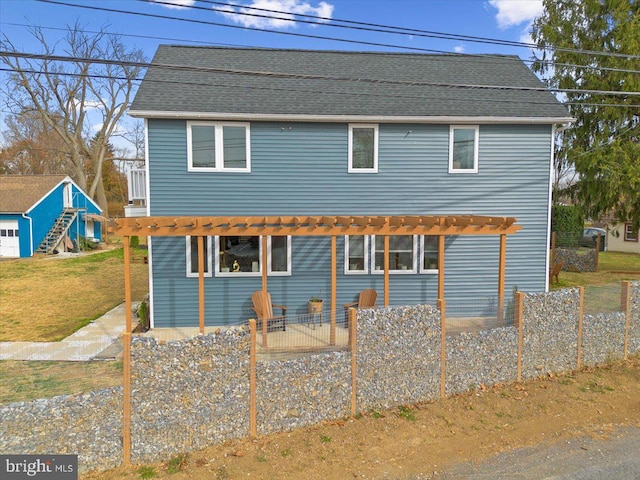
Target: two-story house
263, 132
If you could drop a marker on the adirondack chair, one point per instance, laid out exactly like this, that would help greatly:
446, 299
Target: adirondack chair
555, 272
264, 311
366, 299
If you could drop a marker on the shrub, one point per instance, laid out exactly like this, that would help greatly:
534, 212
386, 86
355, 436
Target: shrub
568, 223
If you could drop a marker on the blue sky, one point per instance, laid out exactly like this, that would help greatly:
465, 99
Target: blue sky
504, 19
501, 19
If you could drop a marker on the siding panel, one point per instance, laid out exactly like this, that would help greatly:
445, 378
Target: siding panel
301, 168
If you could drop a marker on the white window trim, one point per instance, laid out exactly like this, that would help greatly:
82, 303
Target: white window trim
476, 129
628, 234
218, 273
347, 270
350, 168
209, 258
219, 149
269, 258
394, 272
421, 262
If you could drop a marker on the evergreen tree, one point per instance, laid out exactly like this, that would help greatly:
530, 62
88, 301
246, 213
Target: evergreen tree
595, 45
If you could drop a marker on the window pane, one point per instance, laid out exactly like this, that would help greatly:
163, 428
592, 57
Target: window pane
241, 254
430, 254
203, 146
235, 147
194, 255
463, 149
356, 260
279, 254
400, 252
363, 148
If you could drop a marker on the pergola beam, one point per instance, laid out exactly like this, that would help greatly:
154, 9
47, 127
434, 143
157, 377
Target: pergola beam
315, 226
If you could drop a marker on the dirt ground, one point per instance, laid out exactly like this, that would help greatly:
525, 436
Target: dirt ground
423, 439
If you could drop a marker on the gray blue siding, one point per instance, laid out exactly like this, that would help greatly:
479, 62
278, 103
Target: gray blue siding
301, 168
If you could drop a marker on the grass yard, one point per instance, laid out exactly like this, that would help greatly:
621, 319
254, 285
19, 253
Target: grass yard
48, 298
608, 263
602, 288
21, 381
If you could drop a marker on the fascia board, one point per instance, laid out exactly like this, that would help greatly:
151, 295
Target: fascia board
350, 118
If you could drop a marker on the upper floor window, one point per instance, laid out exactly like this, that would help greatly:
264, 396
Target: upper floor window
192, 256
630, 234
356, 254
218, 147
463, 149
363, 148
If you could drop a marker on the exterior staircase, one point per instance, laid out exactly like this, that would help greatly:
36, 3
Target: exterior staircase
58, 231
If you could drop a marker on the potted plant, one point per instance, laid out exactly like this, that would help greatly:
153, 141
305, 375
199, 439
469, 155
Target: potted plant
315, 304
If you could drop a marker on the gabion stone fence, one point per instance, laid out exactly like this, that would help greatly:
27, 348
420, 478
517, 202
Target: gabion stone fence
192, 393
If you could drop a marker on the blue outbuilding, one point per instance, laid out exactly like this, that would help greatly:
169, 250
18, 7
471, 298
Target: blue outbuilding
45, 214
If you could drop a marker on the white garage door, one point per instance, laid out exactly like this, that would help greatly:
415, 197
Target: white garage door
9, 239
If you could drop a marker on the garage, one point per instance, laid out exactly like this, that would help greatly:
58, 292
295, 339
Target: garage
9, 238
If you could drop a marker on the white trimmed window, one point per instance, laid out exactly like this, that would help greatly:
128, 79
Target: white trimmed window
429, 249
279, 258
363, 148
242, 256
356, 254
630, 234
192, 256
463, 148
402, 254
218, 147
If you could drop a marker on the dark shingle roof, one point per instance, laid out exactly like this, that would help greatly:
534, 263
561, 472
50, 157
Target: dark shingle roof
211, 80
18, 193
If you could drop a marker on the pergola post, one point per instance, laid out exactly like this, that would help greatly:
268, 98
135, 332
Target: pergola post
264, 263
441, 267
334, 277
386, 270
201, 283
501, 269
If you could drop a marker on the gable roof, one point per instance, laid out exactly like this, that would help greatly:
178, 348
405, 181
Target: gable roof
213, 82
20, 193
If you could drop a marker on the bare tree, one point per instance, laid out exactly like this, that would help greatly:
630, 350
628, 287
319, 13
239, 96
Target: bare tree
81, 97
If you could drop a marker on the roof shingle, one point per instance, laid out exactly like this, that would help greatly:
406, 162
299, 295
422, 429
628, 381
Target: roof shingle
237, 81
18, 193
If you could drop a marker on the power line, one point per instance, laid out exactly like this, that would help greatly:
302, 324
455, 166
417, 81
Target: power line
317, 37
305, 90
121, 63
381, 28
444, 57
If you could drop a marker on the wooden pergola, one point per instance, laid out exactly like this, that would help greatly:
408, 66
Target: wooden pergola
333, 226
301, 226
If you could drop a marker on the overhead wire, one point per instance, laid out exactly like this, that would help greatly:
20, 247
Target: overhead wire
296, 34
425, 96
273, 74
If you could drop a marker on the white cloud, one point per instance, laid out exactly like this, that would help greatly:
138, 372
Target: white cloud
277, 20
176, 3
516, 12
458, 49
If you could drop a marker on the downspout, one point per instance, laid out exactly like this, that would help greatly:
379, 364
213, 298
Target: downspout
24, 215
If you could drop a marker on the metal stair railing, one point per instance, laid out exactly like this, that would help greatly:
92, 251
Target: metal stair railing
58, 230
